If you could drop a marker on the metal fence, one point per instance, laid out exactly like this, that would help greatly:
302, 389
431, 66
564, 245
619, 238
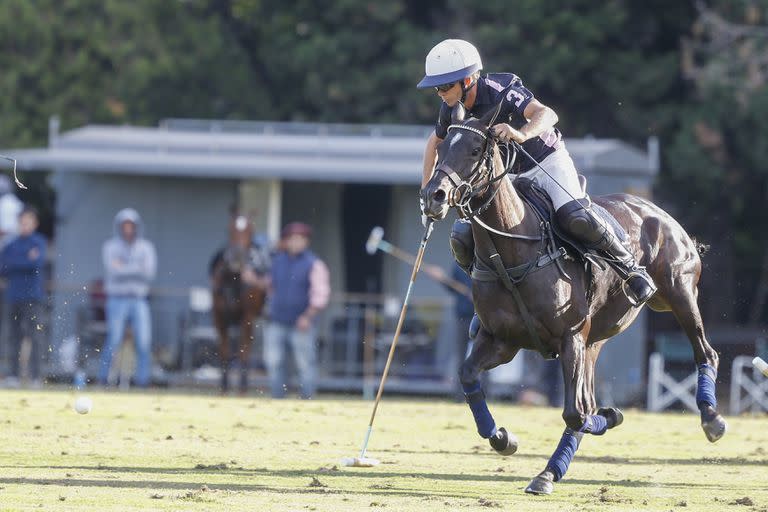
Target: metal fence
354, 336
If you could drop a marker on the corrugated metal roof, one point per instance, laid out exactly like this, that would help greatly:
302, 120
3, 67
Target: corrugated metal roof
291, 151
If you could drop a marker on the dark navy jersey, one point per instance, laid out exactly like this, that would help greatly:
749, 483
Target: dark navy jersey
508, 89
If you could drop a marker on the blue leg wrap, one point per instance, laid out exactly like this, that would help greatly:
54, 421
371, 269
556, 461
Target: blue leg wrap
486, 427
564, 453
705, 391
595, 425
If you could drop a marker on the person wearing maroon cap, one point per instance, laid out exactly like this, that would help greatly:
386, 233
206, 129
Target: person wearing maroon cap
299, 290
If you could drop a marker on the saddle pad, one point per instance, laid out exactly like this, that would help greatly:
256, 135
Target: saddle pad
538, 198
611, 221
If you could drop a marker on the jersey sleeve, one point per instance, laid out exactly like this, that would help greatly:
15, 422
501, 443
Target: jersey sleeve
443, 121
516, 97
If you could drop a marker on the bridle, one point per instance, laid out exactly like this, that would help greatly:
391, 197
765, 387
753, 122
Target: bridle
480, 180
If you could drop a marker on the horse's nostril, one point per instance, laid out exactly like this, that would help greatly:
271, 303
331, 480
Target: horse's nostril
439, 196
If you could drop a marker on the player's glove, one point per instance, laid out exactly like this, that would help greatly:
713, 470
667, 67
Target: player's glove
424, 217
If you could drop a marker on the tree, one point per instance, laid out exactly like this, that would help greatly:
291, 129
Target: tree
93, 61
717, 161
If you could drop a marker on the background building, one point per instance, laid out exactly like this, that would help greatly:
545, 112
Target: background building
184, 175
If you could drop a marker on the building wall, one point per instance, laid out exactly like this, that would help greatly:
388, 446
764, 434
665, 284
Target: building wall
185, 218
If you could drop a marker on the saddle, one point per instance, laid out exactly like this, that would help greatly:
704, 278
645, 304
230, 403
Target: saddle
539, 200
556, 245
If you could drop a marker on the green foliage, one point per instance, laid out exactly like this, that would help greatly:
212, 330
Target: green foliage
333, 61
94, 61
717, 159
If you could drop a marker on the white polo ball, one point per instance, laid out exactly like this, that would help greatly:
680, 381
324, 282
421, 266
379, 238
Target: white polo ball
83, 405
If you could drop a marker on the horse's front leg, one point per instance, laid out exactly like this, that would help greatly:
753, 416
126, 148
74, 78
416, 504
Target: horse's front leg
578, 364
246, 342
487, 353
220, 322
613, 415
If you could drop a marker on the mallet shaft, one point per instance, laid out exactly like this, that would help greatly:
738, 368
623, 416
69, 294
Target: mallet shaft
416, 265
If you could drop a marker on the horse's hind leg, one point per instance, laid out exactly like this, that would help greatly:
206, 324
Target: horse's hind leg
579, 412
682, 302
486, 354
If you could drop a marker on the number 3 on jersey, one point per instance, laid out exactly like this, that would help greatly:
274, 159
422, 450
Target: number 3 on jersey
516, 94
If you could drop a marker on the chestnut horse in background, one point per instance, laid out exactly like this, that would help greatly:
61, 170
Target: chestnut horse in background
239, 285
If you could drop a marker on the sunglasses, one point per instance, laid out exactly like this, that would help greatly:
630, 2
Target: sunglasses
445, 87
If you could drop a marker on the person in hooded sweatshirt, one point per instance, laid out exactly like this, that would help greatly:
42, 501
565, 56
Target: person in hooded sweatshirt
23, 266
130, 264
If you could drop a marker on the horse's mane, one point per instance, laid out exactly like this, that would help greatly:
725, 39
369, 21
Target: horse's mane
507, 194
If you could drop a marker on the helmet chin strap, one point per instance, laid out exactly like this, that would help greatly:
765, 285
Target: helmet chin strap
464, 90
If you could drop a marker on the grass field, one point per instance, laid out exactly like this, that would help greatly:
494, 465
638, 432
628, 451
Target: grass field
179, 452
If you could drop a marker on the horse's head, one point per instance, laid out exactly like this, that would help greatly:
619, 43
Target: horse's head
240, 230
464, 163
239, 242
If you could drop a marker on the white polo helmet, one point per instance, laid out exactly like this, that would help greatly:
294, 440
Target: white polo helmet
449, 61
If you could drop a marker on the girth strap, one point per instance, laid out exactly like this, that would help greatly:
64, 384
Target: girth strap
516, 274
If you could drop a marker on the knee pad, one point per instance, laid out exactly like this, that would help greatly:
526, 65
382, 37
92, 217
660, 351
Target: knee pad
462, 243
576, 221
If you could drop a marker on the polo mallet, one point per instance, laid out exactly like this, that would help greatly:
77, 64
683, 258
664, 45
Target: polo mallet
376, 242
362, 461
760, 365
15, 178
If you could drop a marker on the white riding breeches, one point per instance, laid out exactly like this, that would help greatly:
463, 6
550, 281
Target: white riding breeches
561, 181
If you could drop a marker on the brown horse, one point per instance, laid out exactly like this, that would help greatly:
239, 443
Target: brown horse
566, 309
238, 279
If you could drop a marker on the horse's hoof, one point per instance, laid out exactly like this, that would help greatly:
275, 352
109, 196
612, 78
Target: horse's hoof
504, 442
544, 483
714, 428
612, 415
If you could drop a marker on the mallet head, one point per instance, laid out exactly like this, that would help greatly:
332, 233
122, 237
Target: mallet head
374, 239
761, 365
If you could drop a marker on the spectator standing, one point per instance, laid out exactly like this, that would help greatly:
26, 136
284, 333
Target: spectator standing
23, 265
10, 210
299, 290
130, 264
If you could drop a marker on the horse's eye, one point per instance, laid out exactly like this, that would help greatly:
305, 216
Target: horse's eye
476, 151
